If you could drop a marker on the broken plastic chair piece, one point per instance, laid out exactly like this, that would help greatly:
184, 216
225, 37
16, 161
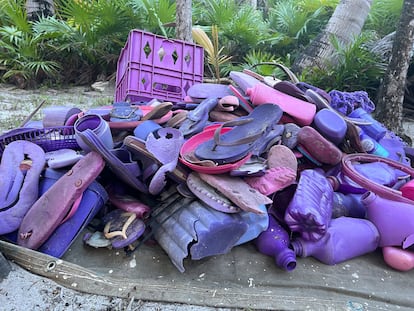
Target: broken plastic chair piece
189, 227
21, 165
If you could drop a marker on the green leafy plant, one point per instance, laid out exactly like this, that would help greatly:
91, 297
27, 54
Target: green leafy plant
22, 58
215, 58
156, 14
357, 68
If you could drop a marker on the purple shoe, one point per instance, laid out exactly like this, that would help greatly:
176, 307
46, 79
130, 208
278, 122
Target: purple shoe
19, 182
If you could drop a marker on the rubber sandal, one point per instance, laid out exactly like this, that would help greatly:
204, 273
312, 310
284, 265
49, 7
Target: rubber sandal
19, 182
209, 195
177, 119
188, 158
241, 139
290, 135
222, 116
235, 189
119, 198
119, 161
124, 112
282, 156
275, 179
197, 119
122, 228
313, 144
158, 111
201, 91
228, 103
47, 213
138, 148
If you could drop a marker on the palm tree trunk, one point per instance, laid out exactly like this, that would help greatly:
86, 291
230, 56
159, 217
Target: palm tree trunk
184, 20
345, 24
391, 95
38, 8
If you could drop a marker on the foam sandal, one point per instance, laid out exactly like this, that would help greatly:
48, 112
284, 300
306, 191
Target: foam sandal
119, 161
47, 213
19, 182
122, 228
242, 138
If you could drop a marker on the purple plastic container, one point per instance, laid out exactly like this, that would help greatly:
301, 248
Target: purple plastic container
275, 242
375, 129
345, 239
330, 125
348, 205
394, 220
152, 66
310, 210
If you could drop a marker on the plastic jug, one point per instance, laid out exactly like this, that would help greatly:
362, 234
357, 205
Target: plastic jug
345, 239
394, 220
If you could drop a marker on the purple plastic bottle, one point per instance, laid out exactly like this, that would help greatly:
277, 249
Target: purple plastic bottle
349, 205
275, 242
310, 210
345, 239
394, 220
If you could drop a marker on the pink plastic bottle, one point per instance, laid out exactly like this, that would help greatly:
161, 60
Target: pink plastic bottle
345, 239
398, 258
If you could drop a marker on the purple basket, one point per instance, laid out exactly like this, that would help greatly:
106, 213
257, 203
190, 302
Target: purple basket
152, 66
48, 138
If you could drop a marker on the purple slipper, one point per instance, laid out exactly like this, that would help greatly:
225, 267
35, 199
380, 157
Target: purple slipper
19, 182
47, 213
122, 228
245, 136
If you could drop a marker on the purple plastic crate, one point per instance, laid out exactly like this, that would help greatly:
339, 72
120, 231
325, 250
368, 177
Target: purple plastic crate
152, 66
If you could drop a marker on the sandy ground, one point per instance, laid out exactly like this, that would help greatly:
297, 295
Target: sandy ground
21, 290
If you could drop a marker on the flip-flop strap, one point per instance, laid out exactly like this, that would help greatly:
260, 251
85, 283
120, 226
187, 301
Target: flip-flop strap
129, 173
245, 140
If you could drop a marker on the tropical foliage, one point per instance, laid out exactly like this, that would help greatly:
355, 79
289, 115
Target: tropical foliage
83, 39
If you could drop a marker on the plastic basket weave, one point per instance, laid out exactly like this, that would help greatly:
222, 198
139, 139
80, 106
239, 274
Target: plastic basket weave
48, 138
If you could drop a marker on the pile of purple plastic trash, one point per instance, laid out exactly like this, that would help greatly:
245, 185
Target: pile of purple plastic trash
289, 167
